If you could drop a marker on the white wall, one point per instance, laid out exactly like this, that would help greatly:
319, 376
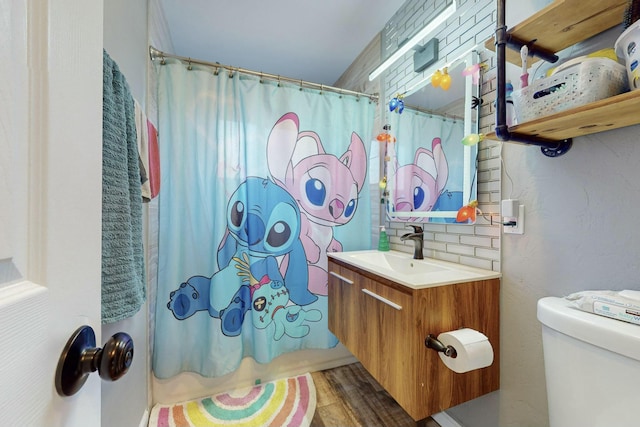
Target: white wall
125, 402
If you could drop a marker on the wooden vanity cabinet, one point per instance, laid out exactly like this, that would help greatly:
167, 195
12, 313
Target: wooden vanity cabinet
384, 324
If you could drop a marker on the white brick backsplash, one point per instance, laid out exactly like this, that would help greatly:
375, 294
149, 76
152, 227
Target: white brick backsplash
491, 254
491, 186
402, 248
460, 229
484, 175
461, 250
492, 163
446, 256
449, 238
436, 228
438, 246
394, 240
476, 241
496, 150
477, 262
393, 226
493, 231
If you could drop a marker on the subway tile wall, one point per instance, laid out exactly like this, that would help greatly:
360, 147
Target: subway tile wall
474, 22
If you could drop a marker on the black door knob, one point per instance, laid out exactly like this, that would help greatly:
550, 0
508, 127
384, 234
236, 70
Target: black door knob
81, 357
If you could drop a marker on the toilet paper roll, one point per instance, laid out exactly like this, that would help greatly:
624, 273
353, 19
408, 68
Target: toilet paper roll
473, 348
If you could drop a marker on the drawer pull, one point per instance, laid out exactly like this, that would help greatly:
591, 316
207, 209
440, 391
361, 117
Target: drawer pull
342, 278
383, 299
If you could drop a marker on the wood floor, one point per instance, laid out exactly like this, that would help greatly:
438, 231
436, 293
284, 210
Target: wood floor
348, 396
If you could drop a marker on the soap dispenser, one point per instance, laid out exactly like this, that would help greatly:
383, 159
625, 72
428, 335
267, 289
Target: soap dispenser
383, 242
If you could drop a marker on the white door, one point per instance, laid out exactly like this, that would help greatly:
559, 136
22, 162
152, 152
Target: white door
50, 203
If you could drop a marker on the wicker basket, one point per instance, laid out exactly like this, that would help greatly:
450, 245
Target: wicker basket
575, 83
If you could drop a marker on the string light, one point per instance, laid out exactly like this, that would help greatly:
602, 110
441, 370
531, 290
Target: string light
472, 139
397, 104
441, 79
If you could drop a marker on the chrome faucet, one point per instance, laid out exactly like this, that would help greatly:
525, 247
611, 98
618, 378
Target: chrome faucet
418, 240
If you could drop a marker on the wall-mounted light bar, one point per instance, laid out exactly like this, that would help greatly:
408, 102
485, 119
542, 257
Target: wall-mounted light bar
430, 27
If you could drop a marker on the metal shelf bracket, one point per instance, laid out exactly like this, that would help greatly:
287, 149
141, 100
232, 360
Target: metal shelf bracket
550, 148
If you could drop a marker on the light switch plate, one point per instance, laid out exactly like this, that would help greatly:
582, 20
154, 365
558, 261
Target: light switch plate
519, 227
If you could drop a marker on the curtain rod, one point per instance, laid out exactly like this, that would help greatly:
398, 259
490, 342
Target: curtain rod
156, 54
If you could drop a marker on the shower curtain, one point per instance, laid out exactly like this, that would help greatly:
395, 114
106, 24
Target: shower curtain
260, 180
426, 172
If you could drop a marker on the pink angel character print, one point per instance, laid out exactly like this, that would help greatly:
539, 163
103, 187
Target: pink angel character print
325, 187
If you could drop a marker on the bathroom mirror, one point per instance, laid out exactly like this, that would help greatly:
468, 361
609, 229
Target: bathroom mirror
429, 173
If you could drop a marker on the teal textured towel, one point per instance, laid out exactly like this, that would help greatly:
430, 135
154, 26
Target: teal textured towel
123, 273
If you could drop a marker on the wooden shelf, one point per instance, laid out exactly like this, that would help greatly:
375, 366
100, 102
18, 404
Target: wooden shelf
564, 23
607, 114
558, 26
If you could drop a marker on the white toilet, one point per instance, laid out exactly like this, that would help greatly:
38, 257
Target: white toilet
592, 367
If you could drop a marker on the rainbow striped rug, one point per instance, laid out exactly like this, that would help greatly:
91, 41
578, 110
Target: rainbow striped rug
285, 402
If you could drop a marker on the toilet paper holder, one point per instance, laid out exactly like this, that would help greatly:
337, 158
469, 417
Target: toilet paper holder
435, 344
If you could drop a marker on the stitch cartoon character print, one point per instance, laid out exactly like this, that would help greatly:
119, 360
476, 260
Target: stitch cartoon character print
260, 258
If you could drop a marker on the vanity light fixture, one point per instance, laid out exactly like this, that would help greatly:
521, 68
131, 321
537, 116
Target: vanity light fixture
430, 27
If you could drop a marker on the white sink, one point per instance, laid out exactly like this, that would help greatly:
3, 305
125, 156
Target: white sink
400, 267
398, 262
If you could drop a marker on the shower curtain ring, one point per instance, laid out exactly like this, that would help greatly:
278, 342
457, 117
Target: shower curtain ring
278, 80
261, 76
162, 61
300, 85
189, 67
321, 88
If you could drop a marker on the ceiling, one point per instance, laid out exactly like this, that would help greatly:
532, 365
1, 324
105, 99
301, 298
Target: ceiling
311, 40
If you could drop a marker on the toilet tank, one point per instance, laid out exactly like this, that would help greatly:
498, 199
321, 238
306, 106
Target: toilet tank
592, 367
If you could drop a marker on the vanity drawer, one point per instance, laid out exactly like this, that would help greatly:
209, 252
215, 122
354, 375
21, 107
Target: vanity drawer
383, 346
343, 302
